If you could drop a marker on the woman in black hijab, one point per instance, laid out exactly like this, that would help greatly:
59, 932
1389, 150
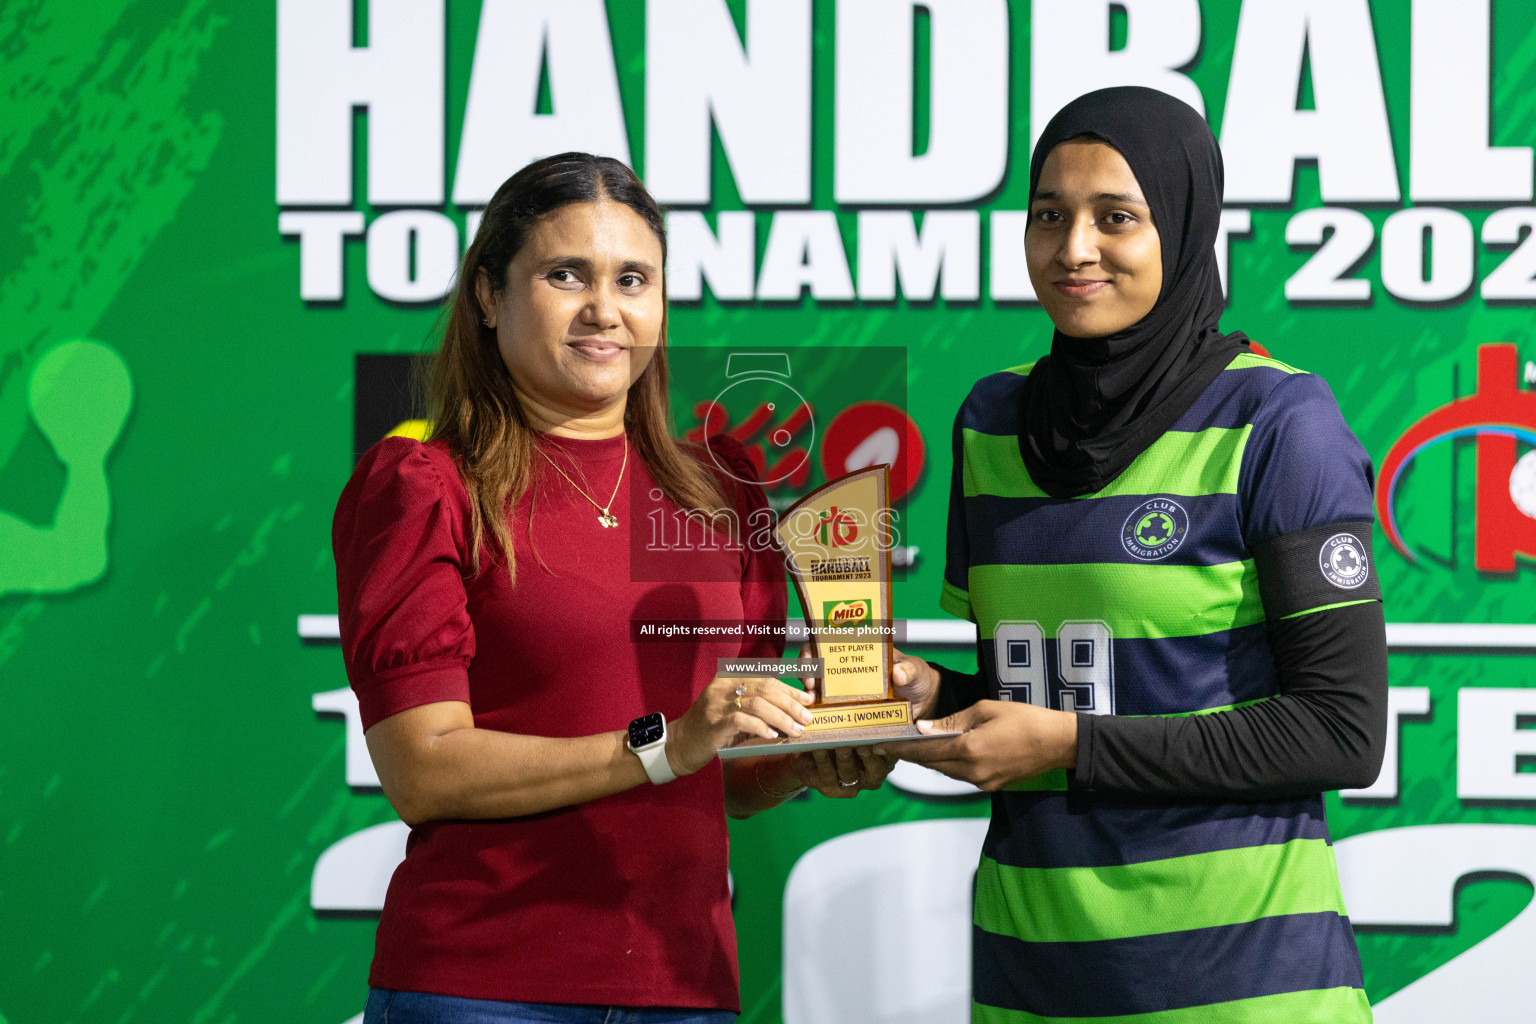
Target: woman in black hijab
1164, 540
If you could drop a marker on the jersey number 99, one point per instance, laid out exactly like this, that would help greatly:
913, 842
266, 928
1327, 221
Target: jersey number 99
1085, 677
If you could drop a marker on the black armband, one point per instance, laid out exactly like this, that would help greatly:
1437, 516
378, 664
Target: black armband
1315, 568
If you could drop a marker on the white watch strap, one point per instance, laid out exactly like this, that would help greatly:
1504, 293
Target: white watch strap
654, 759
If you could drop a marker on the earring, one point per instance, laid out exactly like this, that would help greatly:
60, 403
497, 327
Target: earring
486, 320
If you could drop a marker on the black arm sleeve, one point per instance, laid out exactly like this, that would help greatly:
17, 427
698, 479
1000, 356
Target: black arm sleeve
957, 691
1325, 730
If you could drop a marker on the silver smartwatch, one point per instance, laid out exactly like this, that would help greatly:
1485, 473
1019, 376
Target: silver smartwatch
648, 739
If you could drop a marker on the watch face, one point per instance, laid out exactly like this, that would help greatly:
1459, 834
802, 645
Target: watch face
647, 729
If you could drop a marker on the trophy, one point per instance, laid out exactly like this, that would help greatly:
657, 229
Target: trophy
836, 543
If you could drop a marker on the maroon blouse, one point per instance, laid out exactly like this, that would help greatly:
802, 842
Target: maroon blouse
621, 900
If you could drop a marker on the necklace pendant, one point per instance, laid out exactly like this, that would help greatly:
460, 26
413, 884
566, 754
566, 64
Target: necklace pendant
608, 518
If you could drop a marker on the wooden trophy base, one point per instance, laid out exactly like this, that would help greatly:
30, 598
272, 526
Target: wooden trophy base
842, 725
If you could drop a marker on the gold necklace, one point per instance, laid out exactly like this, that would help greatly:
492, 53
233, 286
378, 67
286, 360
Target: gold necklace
606, 518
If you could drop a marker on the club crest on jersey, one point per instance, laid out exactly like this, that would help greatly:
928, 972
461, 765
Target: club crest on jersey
1155, 530
1343, 561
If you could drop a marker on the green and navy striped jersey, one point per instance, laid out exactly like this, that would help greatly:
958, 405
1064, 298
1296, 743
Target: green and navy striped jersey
1142, 599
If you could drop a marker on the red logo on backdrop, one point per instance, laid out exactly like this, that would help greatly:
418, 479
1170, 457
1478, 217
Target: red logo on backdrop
770, 445
1500, 416
859, 435
869, 433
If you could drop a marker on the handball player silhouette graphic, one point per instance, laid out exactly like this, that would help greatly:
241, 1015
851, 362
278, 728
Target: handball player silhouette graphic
79, 395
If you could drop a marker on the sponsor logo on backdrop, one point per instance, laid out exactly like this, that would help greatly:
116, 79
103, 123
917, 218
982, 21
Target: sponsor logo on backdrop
869, 433
1154, 530
779, 418
1499, 416
777, 424
843, 413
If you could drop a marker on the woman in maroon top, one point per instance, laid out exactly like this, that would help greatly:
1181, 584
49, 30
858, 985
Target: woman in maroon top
561, 865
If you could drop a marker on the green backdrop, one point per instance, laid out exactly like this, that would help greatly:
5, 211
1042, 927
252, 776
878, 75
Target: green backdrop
176, 423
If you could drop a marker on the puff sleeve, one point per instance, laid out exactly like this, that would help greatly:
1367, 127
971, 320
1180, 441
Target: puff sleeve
399, 537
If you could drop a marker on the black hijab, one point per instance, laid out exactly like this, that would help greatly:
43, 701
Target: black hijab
1094, 404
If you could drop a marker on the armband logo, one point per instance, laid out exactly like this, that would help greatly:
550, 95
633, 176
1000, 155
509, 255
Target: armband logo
1343, 561
1154, 530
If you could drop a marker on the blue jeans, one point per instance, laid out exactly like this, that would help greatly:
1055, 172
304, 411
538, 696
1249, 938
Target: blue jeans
386, 1006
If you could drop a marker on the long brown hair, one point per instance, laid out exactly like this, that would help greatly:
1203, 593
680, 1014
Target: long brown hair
470, 398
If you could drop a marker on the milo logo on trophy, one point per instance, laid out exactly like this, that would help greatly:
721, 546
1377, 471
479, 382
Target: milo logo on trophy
845, 613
